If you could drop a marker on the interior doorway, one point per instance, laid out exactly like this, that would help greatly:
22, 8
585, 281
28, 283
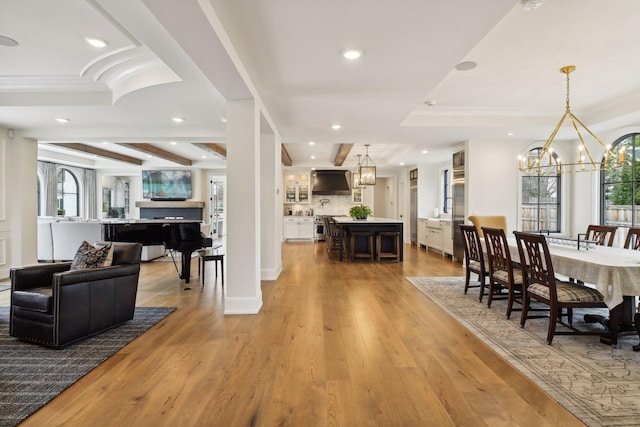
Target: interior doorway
217, 203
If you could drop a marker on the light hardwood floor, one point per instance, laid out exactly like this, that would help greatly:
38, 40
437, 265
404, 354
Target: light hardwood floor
335, 344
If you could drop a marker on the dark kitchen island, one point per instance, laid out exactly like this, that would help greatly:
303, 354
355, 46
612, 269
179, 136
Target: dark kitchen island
374, 225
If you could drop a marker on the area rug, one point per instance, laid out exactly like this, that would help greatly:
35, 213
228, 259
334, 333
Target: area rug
597, 383
32, 375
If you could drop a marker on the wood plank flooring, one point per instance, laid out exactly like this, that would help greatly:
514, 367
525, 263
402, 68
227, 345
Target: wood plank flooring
335, 344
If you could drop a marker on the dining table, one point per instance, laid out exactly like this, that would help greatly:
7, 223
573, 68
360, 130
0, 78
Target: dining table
373, 224
613, 271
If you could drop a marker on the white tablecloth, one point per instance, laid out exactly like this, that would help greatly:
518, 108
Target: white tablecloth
613, 271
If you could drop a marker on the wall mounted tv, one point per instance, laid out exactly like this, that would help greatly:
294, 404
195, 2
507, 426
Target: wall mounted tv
166, 184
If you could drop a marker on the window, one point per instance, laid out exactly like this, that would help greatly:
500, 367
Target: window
620, 188
445, 190
39, 196
540, 209
68, 200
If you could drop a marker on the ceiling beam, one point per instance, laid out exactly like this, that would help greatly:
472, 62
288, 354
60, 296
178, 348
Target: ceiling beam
158, 152
98, 152
343, 152
216, 149
286, 158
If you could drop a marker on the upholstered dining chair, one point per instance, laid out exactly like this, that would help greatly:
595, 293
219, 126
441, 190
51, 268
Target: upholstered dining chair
502, 271
540, 284
473, 258
633, 239
493, 221
602, 234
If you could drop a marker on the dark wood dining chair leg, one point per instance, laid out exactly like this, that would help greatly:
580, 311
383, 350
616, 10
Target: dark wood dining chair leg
636, 320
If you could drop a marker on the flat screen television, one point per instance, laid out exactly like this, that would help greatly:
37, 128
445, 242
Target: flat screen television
166, 184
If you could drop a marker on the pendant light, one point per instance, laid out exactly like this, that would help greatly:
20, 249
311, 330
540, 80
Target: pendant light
367, 169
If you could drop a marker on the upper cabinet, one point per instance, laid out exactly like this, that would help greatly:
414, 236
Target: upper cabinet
297, 188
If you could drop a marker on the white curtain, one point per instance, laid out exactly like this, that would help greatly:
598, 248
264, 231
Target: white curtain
90, 191
50, 187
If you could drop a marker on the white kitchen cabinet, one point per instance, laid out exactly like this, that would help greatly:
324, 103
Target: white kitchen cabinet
447, 237
297, 189
422, 232
434, 231
295, 227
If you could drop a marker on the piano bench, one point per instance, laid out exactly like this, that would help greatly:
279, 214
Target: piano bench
209, 255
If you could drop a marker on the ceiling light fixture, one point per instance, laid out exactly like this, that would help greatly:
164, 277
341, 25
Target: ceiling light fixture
62, 120
6, 41
177, 119
355, 175
425, 151
173, 142
367, 169
312, 143
530, 5
546, 164
336, 127
96, 42
466, 66
352, 54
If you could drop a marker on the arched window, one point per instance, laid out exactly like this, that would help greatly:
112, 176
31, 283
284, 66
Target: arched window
68, 190
620, 188
540, 207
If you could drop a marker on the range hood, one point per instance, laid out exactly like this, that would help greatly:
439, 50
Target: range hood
330, 182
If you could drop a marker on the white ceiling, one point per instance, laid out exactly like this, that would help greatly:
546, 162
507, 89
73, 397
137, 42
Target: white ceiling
164, 60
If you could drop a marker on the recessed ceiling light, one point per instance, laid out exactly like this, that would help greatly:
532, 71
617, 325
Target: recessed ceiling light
312, 143
204, 157
466, 66
425, 151
313, 157
223, 119
177, 119
173, 143
510, 134
105, 142
62, 120
6, 41
530, 5
149, 156
336, 127
352, 54
401, 163
96, 42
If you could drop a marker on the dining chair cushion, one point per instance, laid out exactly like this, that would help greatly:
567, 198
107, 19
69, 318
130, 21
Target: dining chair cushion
475, 265
504, 276
567, 292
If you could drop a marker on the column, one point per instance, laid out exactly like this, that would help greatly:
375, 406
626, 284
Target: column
270, 203
242, 281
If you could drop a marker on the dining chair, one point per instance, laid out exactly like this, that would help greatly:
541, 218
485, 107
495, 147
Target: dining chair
331, 234
540, 284
503, 273
473, 258
493, 221
633, 239
602, 234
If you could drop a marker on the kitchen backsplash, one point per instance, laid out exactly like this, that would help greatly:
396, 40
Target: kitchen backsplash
336, 205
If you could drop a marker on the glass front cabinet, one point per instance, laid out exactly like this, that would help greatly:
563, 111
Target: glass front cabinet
297, 188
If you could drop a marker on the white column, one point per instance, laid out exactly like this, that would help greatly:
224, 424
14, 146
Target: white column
242, 281
270, 205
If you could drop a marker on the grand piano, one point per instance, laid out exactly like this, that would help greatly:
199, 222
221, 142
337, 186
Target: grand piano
182, 235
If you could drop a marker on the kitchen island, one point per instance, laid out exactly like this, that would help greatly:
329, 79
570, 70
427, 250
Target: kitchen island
374, 225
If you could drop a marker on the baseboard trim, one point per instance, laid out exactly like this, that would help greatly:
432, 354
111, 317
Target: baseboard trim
242, 305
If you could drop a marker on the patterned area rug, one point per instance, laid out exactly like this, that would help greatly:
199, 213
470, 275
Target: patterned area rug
598, 384
32, 375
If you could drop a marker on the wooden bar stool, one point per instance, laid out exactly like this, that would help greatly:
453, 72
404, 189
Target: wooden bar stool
211, 255
393, 242
367, 236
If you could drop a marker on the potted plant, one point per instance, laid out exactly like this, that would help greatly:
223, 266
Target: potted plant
360, 212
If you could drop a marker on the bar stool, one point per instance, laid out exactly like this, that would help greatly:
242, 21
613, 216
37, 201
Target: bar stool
354, 253
208, 255
394, 243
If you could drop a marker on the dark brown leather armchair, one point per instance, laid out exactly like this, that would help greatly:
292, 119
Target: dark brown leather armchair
53, 306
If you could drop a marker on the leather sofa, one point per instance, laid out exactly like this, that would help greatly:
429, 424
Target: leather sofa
54, 306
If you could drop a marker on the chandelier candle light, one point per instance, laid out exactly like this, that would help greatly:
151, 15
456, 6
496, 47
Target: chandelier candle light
356, 175
367, 169
543, 163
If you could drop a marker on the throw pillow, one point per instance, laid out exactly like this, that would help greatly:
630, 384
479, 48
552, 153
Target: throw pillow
90, 256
